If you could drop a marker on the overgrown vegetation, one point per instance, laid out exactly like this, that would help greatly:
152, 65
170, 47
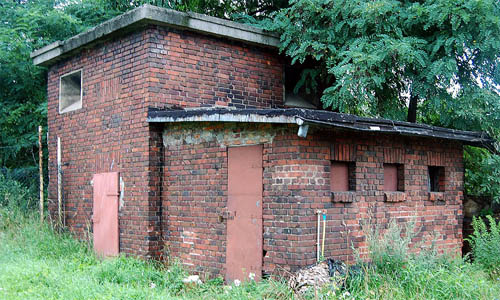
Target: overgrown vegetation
398, 271
38, 263
485, 244
16, 196
482, 173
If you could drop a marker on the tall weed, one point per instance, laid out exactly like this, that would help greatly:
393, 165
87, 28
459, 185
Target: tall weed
400, 269
485, 244
390, 250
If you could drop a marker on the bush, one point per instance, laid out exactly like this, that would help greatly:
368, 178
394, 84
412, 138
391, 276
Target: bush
389, 251
400, 269
482, 173
15, 196
39, 263
485, 244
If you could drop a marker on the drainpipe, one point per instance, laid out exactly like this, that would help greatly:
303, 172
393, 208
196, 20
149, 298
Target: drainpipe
302, 128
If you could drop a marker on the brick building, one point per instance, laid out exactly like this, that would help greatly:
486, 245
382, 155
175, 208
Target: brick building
178, 136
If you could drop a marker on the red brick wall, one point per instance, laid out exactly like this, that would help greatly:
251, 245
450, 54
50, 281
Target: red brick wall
124, 76
108, 134
192, 70
296, 184
176, 192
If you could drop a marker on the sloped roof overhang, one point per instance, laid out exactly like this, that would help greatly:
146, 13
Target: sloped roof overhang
302, 117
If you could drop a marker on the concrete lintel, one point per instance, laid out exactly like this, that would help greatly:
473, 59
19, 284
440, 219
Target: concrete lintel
161, 16
249, 118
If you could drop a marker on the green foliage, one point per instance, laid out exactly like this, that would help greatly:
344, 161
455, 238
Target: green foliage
389, 250
381, 54
218, 8
37, 263
482, 173
16, 196
445, 279
398, 272
485, 244
378, 58
25, 27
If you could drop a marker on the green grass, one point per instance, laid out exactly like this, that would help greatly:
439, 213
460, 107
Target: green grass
36, 263
448, 279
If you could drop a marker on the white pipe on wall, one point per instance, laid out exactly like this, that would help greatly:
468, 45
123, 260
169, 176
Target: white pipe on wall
59, 183
318, 213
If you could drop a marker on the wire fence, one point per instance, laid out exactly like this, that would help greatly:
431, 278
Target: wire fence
20, 187
20, 184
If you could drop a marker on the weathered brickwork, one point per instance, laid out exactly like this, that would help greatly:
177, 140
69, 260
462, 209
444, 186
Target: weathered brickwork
124, 76
174, 176
296, 185
191, 70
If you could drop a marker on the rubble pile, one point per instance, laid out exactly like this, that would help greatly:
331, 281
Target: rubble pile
329, 271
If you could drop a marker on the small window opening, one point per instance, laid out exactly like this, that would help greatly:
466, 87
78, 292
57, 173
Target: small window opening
394, 177
342, 176
436, 179
70, 92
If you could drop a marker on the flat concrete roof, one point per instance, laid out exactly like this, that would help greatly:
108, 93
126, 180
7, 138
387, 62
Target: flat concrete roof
148, 14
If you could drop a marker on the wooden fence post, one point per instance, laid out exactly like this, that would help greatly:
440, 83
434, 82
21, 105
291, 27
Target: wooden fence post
40, 156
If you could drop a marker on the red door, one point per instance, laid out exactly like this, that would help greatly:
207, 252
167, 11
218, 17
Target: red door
105, 217
244, 225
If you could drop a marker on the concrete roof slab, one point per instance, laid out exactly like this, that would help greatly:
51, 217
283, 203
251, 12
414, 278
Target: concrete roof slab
149, 14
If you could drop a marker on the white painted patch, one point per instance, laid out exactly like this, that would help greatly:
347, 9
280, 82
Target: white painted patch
227, 135
188, 237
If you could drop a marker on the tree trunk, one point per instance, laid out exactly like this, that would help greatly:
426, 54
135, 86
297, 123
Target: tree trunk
412, 109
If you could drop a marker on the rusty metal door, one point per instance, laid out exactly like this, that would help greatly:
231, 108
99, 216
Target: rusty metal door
105, 215
244, 224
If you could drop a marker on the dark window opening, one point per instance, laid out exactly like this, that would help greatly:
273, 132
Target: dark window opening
342, 176
305, 96
394, 177
436, 179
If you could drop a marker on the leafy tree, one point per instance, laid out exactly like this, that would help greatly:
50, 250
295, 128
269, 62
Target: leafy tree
385, 57
218, 8
26, 26
435, 61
